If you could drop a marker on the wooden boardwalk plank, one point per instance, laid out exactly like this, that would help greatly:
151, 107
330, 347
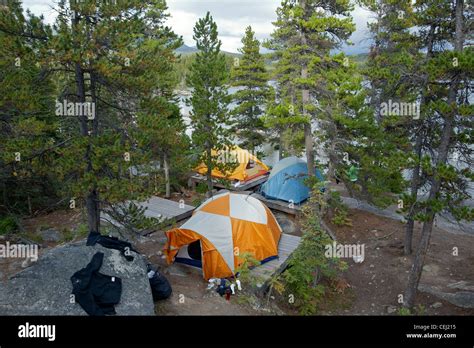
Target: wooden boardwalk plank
160, 209
286, 247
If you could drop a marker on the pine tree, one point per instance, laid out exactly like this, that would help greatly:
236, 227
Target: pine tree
27, 122
396, 74
249, 74
112, 61
210, 117
354, 139
448, 162
306, 32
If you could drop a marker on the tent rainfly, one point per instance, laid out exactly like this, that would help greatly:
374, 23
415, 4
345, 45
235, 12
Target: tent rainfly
220, 231
248, 166
286, 181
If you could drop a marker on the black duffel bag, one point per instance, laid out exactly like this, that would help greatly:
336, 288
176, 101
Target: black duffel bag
160, 286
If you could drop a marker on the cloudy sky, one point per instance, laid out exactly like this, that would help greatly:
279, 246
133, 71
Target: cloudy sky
232, 17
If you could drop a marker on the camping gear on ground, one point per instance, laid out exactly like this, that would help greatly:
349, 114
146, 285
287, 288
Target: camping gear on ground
212, 283
222, 288
215, 283
95, 292
248, 166
226, 226
286, 181
111, 243
160, 286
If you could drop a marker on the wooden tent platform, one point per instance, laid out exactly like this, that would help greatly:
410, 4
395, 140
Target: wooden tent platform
275, 204
160, 209
238, 186
287, 245
166, 209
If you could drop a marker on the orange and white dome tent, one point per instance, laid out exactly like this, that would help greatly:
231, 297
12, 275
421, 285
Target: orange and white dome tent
227, 225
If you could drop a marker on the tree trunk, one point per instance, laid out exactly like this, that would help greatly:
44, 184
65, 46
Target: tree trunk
308, 133
414, 187
167, 176
5, 200
415, 180
93, 211
281, 150
417, 268
443, 151
407, 248
92, 198
210, 186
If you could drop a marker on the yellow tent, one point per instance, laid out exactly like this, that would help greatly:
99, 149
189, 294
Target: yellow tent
249, 166
220, 231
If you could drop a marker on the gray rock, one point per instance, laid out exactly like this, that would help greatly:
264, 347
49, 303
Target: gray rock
45, 287
286, 223
461, 285
437, 305
50, 235
463, 299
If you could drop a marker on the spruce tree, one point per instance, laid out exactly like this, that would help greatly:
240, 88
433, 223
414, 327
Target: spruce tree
448, 162
396, 73
210, 117
27, 122
250, 76
306, 32
112, 62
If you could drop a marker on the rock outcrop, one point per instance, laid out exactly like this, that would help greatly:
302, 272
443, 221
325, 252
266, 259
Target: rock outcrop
45, 287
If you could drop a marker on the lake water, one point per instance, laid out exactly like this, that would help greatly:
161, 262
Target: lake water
271, 155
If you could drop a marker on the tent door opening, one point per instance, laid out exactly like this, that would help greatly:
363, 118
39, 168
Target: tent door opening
190, 254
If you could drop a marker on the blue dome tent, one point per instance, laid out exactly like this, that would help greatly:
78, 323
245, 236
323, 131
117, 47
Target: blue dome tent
286, 181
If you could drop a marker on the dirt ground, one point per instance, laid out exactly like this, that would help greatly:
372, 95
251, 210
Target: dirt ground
374, 284
380, 279
190, 296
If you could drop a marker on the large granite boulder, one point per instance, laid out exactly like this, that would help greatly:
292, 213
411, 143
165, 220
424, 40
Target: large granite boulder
463, 299
286, 222
45, 287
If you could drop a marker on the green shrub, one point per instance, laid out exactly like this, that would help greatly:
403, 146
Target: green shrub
68, 235
308, 264
82, 231
248, 261
339, 210
8, 225
404, 311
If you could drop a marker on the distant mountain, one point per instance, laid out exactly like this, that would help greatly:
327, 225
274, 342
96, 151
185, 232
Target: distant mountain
184, 50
